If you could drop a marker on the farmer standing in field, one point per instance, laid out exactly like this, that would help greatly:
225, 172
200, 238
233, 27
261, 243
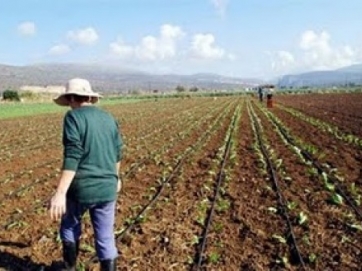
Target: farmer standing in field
260, 93
269, 96
89, 179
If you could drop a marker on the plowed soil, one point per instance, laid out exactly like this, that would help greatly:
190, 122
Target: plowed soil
180, 143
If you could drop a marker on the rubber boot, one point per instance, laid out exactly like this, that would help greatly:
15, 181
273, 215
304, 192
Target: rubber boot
109, 265
70, 253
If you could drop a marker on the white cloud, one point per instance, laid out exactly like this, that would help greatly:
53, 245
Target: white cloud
86, 36
318, 53
151, 48
221, 6
169, 46
59, 49
120, 49
27, 29
203, 46
283, 60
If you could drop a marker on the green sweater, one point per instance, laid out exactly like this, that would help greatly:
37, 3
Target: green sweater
92, 147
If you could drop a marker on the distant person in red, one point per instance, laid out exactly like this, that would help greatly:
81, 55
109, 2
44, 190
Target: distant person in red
90, 175
269, 96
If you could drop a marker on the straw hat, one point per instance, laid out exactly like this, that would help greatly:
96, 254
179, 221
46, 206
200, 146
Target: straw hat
80, 87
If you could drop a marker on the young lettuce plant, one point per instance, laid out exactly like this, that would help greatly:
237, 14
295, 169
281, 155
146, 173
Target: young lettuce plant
302, 218
337, 199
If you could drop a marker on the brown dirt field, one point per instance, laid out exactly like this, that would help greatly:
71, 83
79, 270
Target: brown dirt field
157, 135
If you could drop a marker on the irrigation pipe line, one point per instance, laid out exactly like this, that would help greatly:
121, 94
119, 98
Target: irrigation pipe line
18, 216
220, 178
26, 187
328, 111
325, 126
58, 159
141, 161
335, 181
162, 186
155, 197
281, 200
320, 170
20, 174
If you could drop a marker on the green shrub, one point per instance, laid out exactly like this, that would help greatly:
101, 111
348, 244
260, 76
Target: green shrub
11, 95
180, 88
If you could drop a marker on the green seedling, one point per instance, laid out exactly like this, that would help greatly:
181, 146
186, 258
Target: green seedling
312, 258
302, 218
283, 261
345, 239
129, 221
337, 199
357, 200
292, 205
189, 260
118, 232
58, 239
87, 248
272, 210
81, 267
356, 227
141, 219
195, 240
330, 187
306, 240
222, 205
200, 220
288, 179
279, 238
312, 172
214, 258
311, 149
16, 224
218, 227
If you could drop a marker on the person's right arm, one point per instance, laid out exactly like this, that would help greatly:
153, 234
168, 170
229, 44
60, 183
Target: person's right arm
73, 152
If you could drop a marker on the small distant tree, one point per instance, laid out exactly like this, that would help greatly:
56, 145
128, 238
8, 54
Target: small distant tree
135, 92
180, 88
194, 89
155, 91
11, 95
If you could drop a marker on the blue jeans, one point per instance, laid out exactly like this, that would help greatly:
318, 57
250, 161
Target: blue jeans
102, 217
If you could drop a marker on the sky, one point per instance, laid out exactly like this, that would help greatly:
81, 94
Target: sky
244, 38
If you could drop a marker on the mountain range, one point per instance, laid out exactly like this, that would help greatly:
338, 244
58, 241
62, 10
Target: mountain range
113, 79
350, 75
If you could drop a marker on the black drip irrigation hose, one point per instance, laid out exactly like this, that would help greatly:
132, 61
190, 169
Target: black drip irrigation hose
326, 126
333, 111
156, 195
152, 154
294, 247
44, 203
28, 186
320, 170
335, 181
151, 202
201, 248
129, 227
20, 174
